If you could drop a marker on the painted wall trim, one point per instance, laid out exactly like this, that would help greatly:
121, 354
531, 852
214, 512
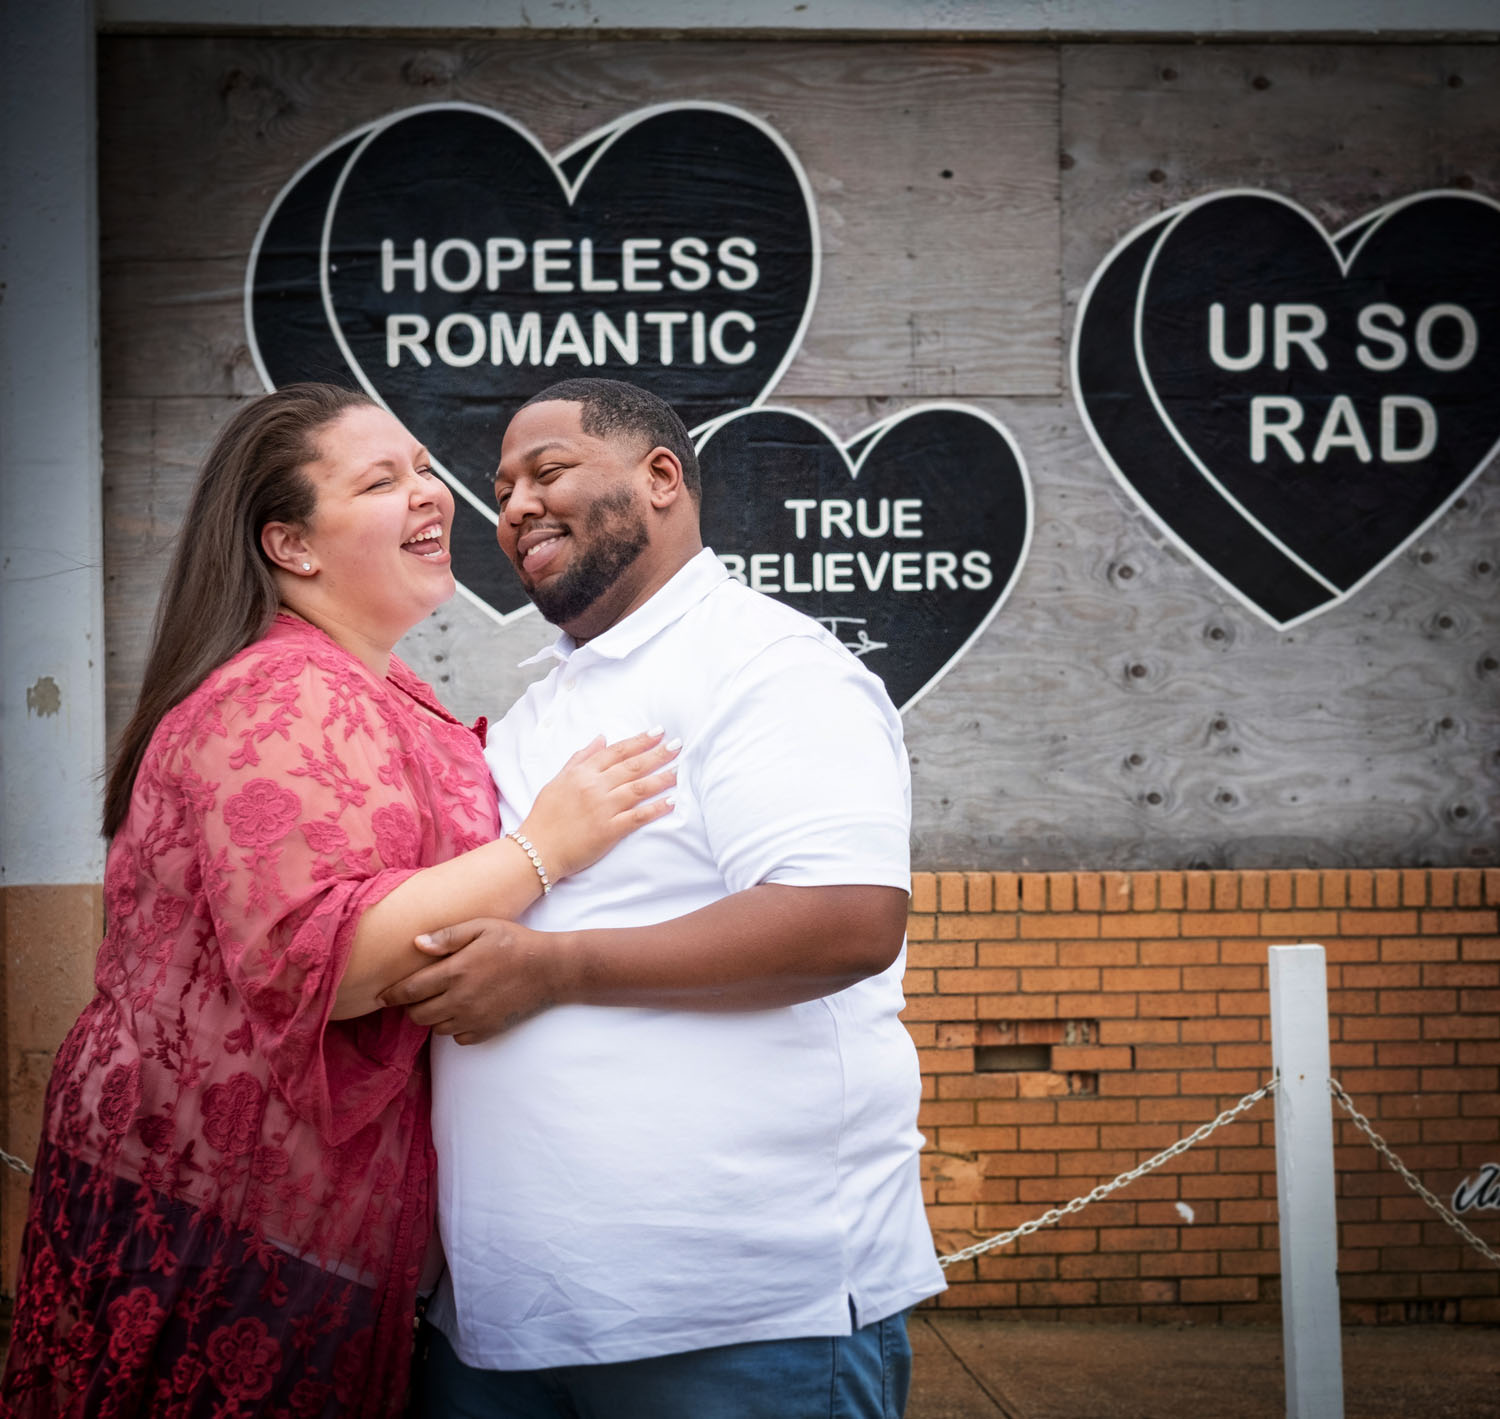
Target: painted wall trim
1018, 19
51, 524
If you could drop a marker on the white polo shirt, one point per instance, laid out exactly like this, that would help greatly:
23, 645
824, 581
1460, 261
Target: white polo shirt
616, 1182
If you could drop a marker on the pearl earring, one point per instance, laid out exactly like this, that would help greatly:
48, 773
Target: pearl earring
307, 566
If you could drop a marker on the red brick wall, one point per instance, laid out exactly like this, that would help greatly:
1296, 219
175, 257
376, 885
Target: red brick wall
1071, 1025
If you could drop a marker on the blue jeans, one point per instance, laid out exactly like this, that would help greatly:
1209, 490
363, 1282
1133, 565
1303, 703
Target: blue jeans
861, 1376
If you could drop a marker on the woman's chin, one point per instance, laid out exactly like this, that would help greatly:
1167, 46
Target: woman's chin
420, 608
440, 596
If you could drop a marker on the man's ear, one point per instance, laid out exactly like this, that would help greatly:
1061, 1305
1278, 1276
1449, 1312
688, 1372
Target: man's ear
665, 469
286, 546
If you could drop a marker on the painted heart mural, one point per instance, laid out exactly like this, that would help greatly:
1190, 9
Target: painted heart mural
905, 542
1295, 409
445, 262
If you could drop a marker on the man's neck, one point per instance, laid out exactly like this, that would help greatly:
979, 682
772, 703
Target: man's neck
608, 611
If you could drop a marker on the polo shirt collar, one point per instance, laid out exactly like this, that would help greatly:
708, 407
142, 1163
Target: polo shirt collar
688, 586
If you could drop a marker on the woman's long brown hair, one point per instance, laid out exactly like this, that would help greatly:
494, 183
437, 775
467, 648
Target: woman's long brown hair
220, 594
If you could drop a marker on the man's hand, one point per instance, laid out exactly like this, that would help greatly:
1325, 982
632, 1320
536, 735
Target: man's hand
759, 949
490, 975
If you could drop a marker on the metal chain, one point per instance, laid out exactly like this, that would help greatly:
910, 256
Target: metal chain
1048, 1219
1412, 1181
1104, 1189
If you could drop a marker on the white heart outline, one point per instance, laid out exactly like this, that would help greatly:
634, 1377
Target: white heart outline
604, 137
248, 299
874, 433
1366, 225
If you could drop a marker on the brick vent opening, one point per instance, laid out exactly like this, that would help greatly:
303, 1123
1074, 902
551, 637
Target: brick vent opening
1038, 1049
1030, 1059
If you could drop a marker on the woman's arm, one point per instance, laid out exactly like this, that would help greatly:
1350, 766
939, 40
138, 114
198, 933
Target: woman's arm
601, 794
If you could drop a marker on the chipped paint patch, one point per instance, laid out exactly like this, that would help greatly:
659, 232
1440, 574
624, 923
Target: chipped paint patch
1185, 1212
44, 697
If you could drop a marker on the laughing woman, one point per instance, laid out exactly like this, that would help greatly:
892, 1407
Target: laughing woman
233, 1198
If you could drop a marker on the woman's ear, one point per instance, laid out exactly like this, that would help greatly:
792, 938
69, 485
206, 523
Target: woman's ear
665, 469
287, 548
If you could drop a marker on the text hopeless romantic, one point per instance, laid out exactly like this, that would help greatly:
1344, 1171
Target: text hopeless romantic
561, 266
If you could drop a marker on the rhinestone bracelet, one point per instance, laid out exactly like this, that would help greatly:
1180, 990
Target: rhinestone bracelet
524, 843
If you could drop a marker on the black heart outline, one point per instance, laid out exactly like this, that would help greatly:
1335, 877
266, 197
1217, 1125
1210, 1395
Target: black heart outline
591, 147
1359, 234
596, 144
1165, 484
862, 445
252, 334
1344, 246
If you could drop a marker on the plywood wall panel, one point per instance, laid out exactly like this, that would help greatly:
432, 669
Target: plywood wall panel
1339, 129
1369, 733
175, 329
932, 285
1122, 710
151, 453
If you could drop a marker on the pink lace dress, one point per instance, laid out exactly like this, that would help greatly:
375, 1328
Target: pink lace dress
233, 1194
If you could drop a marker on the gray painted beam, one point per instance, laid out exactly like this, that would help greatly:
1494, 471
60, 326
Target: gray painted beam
51, 665
996, 18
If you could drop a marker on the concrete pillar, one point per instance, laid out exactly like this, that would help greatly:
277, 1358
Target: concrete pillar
51, 554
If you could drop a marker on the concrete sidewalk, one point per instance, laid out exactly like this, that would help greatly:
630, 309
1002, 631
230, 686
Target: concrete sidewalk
967, 1369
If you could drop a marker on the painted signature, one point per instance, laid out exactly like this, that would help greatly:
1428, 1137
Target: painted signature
1483, 1191
862, 645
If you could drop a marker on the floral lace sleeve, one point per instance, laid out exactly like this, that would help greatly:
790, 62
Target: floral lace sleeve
233, 1193
303, 812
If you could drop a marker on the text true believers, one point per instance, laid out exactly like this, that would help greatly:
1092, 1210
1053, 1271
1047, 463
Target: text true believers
829, 568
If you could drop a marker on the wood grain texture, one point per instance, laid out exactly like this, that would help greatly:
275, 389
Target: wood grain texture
932, 285
1342, 130
1124, 712
151, 454
1366, 737
1369, 734
175, 329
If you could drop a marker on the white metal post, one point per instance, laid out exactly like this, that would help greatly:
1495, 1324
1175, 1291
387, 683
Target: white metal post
1304, 1184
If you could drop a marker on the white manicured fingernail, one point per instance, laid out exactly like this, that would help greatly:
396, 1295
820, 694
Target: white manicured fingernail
671, 800
657, 729
674, 744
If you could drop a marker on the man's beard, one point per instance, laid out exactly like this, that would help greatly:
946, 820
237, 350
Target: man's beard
616, 534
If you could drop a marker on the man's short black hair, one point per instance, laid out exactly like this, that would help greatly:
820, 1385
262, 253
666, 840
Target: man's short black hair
610, 406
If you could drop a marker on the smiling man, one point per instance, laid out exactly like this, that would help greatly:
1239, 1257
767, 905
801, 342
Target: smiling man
676, 1125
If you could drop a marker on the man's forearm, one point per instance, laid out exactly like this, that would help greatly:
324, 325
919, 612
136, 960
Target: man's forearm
764, 947
756, 950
